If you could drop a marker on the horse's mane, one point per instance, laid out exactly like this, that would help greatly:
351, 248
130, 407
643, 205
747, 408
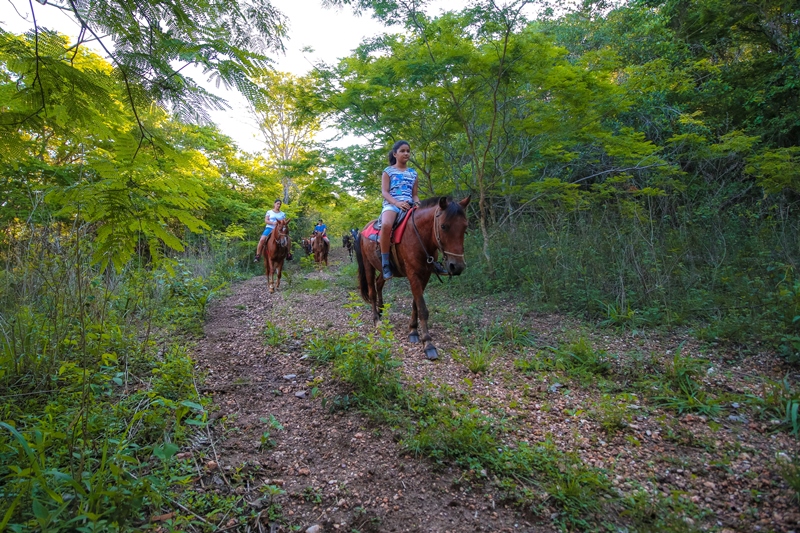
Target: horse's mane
453, 208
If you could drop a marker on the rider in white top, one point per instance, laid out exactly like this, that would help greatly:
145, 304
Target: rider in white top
273, 215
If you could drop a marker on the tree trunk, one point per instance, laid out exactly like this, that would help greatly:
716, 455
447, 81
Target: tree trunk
482, 213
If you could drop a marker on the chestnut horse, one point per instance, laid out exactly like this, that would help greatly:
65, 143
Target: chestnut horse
437, 225
320, 248
277, 248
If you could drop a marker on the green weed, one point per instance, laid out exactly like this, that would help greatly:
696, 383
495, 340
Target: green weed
480, 356
789, 469
578, 359
614, 413
674, 513
678, 388
310, 285
273, 334
780, 400
618, 316
511, 334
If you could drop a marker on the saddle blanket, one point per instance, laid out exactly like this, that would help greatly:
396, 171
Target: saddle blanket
397, 234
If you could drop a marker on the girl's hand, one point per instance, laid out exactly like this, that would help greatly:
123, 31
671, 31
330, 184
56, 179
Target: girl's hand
405, 206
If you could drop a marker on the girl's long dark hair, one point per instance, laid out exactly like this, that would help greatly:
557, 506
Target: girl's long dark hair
395, 148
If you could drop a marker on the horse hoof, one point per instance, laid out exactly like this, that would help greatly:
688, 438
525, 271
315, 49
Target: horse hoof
431, 353
413, 338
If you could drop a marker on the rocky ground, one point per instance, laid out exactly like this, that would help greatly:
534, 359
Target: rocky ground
299, 466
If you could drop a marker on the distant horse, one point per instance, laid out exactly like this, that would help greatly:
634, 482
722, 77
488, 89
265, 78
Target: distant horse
307, 246
320, 247
347, 243
277, 248
437, 225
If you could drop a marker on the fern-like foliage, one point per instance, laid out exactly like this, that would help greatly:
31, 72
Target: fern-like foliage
149, 42
73, 140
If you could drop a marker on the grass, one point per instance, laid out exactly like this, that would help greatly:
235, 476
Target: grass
273, 335
614, 413
443, 426
480, 356
577, 359
779, 400
310, 285
678, 388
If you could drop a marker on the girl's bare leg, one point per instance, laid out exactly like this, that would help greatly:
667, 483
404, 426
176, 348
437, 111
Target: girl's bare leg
387, 219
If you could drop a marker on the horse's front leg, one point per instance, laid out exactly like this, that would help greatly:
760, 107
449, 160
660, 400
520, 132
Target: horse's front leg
418, 290
413, 334
270, 274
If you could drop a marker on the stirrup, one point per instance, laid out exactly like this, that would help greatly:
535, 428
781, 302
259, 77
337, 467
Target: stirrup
387, 272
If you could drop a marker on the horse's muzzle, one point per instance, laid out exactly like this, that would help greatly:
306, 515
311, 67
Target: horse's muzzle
454, 268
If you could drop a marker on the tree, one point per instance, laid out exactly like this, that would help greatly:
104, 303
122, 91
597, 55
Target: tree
288, 128
498, 104
150, 43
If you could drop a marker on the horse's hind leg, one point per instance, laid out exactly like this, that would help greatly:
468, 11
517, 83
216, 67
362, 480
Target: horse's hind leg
379, 283
372, 291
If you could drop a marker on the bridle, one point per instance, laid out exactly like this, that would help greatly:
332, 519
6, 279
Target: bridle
437, 233
282, 241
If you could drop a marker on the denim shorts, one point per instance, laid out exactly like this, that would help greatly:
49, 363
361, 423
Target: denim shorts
267, 231
390, 207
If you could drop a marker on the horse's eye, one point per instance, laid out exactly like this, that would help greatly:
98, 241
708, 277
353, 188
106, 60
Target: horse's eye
445, 227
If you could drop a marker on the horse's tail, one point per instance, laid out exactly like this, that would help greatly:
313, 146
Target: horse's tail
362, 271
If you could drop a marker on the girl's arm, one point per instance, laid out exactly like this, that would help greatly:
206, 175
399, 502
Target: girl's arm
414, 195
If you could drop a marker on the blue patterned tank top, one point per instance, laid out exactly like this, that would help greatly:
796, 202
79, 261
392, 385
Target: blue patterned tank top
401, 183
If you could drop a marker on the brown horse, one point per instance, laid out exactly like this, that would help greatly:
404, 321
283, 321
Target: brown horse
437, 225
320, 247
307, 246
347, 244
277, 248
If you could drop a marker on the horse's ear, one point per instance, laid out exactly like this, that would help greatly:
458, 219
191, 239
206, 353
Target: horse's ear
443, 202
464, 203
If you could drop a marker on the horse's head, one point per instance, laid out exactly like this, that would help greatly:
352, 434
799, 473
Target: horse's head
449, 226
281, 232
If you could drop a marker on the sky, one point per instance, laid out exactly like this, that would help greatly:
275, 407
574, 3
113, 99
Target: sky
330, 34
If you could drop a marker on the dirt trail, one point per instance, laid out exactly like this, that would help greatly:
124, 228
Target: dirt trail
340, 472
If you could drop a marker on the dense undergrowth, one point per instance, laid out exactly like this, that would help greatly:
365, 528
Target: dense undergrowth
98, 389
730, 276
